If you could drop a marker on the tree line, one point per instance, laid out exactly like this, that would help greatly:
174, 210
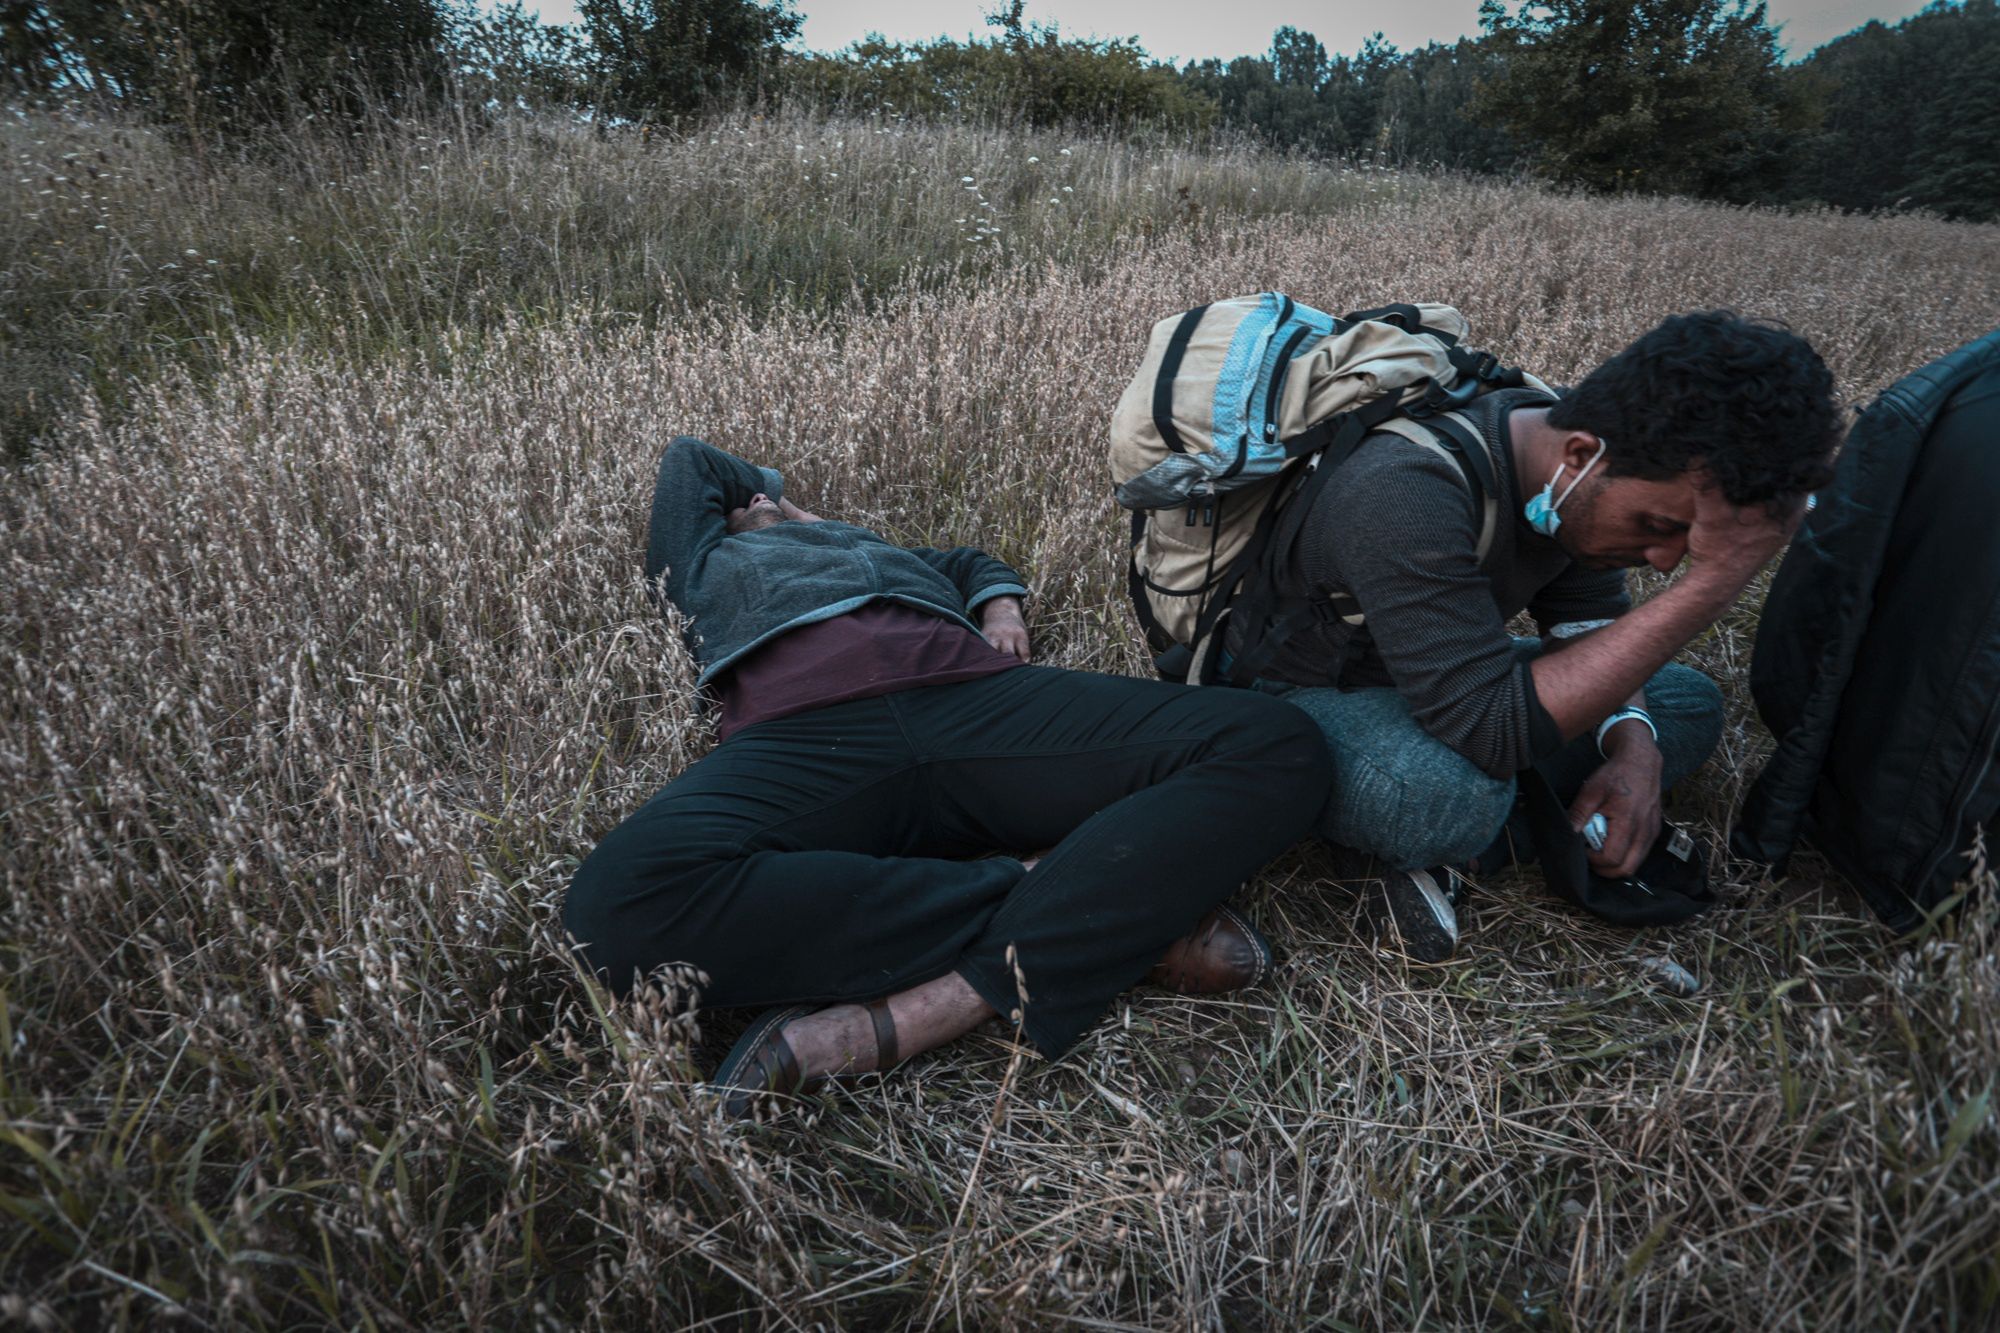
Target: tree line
1678, 96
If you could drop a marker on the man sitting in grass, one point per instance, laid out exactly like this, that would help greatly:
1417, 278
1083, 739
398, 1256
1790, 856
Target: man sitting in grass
1700, 441
828, 856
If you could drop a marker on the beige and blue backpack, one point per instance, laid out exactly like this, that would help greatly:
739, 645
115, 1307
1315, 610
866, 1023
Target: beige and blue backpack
1240, 411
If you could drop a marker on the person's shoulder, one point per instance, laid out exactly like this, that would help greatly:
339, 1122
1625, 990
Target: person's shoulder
1386, 493
1387, 466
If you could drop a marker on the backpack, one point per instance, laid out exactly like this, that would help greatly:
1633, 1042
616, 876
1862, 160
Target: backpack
1238, 414
1877, 661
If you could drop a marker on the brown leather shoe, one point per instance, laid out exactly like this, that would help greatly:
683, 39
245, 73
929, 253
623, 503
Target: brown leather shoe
1223, 953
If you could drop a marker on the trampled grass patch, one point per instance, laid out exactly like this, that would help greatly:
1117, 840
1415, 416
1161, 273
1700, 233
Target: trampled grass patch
322, 666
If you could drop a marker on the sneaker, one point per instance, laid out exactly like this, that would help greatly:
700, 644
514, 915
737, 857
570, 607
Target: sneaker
1422, 906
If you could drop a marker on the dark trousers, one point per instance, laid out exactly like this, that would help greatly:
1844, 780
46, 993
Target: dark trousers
822, 857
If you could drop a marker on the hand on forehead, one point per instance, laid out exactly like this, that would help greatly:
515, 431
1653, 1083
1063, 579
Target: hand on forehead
763, 512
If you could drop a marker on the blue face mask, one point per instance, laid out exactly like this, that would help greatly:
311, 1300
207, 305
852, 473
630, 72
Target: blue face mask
1540, 511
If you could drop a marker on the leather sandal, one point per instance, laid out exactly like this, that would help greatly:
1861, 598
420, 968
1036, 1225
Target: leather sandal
1224, 952
760, 1062
885, 1034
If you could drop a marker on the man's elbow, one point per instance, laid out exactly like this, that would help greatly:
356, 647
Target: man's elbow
1486, 738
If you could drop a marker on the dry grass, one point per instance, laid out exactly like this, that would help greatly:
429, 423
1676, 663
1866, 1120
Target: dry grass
319, 676
124, 257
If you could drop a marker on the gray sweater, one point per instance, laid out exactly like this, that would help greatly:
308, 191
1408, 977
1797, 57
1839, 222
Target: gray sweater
741, 590
1397, 529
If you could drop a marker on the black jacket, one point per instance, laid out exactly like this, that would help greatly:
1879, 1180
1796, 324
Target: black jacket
1877, 664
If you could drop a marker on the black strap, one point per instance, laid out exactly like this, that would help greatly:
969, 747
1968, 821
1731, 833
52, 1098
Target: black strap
1163, 385
1264, 637
1335, 439
886, 1052
1405, 317
1157, 637
1244, 671
1470, 453
1224, 591
1263, 640
1357, 423
1250, 559
1485, 369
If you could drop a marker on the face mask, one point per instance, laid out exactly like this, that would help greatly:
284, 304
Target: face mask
1541, 510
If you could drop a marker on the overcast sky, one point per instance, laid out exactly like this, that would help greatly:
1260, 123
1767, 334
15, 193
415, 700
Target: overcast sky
1190, 31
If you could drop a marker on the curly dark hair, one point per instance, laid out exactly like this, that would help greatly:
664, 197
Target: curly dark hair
1748, 400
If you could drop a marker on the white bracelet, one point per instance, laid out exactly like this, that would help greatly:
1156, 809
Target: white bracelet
1625, 715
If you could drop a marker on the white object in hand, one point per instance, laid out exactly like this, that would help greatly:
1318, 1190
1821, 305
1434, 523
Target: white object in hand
1594, 830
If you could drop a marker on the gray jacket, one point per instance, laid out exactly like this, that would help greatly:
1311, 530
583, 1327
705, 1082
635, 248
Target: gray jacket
740, 590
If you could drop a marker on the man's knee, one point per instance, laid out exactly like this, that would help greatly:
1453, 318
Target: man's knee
1450, 824
627, 891
593, 896
1285, 730
590, 916
1445, 815
1688, 709
1281, 738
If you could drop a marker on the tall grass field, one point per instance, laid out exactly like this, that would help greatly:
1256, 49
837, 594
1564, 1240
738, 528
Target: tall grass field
325, 654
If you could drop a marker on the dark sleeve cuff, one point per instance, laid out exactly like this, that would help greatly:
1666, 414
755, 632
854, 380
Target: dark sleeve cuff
1544, 736
992, 590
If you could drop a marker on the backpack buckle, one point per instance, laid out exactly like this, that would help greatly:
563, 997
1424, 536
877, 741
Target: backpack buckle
1479, 367
1438, 399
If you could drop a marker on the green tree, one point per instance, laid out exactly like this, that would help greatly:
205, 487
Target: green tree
1908, 115
1676, 96
1354, 88
217, 64
1958, 165
1297, 59
1029, 73
1414, 106
673, 57
507, 56
1427, 115
1282, 98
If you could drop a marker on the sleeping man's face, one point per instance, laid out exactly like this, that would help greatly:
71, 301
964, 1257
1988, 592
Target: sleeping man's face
763, 511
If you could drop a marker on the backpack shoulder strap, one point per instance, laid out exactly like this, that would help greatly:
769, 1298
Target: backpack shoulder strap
1163, 383
1383, 415
1451, 436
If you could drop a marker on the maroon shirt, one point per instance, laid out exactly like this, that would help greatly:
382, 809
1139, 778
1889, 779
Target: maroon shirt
878, 649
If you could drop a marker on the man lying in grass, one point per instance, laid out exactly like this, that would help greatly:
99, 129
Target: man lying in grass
1700, 441
827, 857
